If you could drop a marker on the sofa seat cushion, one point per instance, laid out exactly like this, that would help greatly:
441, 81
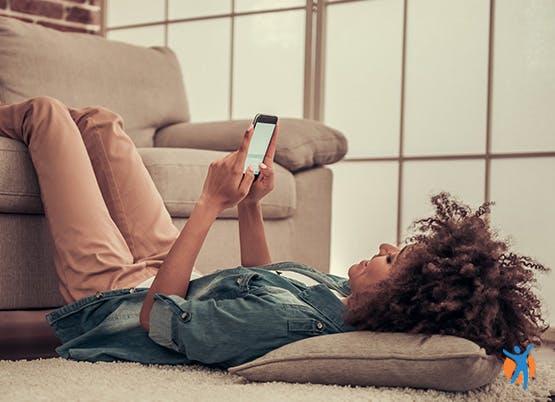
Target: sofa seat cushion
178, 173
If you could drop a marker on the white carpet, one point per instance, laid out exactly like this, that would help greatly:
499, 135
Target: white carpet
58, 379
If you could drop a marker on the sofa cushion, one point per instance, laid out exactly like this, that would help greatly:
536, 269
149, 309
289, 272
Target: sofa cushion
19, 186
365, 358
143, 84
177, 173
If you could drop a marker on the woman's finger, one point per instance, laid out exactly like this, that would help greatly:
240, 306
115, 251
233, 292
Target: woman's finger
241, 153
246, 181
265, 170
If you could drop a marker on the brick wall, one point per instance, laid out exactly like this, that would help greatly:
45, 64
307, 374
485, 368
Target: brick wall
64, 15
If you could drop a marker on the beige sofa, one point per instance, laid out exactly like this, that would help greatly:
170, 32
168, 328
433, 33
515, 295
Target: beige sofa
144, 85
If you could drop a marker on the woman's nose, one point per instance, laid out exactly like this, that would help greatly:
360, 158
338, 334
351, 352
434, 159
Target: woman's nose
387, 248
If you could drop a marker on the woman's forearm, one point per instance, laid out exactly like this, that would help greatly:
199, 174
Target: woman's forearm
175, 272
254, 249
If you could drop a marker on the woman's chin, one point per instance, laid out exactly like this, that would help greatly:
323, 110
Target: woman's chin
351, 270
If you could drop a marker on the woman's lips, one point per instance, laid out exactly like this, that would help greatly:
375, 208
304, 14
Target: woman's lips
358, 267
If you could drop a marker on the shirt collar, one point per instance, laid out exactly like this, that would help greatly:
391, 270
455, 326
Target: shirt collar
323, 300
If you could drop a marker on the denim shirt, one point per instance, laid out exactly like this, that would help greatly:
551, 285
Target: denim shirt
227, 318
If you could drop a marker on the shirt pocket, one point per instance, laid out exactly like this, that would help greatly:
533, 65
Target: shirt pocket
278, 295
307, 326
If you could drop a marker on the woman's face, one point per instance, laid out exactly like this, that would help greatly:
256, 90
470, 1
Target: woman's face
368, 272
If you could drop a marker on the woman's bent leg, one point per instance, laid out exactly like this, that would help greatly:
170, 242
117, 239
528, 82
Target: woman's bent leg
129, 192
90, 253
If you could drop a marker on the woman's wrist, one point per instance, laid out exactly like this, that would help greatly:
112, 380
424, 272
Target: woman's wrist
209, 206
248, 205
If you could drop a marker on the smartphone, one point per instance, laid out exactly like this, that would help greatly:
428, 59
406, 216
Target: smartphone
264, 127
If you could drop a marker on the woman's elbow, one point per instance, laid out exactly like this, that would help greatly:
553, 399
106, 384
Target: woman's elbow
144, 319
144, 314
145, 324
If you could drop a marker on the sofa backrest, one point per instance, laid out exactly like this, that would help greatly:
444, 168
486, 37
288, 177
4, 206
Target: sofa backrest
143, 84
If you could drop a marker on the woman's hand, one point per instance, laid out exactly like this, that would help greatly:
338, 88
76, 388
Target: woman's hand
225, 184
264, 184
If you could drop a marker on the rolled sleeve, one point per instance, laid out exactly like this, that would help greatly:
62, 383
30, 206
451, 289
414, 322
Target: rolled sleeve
161, 316
219, 332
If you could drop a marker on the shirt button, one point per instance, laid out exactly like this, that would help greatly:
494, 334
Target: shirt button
238, 281
99, 294
319, 325
184, 315
132, 290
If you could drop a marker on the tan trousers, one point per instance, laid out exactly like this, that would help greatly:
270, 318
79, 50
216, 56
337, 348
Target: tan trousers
108, 222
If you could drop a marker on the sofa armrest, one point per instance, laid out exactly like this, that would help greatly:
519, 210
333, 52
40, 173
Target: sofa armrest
301, 144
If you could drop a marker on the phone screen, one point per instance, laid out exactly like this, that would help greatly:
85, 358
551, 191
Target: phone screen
259, 145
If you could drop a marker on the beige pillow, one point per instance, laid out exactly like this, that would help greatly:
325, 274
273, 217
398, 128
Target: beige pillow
301, 144
377, 359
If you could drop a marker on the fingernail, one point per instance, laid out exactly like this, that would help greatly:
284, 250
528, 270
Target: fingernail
263, 165
250, 169
251, 126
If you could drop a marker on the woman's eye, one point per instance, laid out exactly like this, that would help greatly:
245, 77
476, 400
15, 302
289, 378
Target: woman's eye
389, 259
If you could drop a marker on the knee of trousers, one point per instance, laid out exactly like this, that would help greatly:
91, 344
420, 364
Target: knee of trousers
36, 109
97, 115
46, 100
39, 103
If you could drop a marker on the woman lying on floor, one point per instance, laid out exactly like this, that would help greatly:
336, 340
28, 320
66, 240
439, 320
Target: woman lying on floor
113, 238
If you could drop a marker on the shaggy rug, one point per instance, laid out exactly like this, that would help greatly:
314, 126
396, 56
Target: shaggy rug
58, 379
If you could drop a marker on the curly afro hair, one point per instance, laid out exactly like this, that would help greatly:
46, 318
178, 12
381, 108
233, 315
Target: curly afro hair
456, 279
